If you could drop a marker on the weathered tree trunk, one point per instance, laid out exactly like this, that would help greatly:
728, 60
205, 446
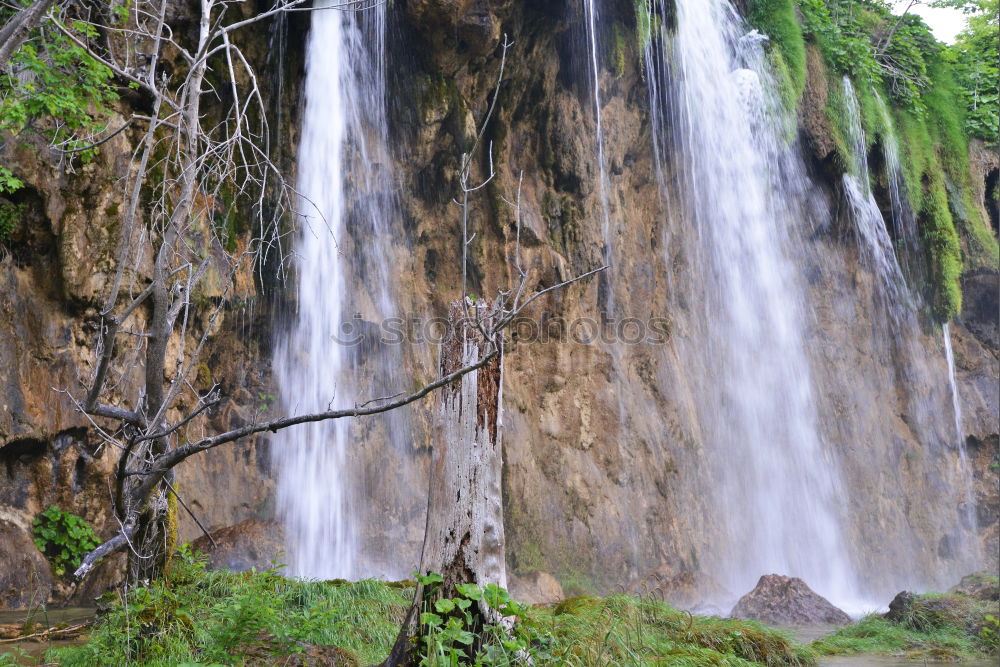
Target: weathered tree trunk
17, 30
464, 540
464, 537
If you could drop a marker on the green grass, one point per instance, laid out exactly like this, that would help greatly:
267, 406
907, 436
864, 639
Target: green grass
939, 627
196, 616
223, 617
623, 630
200, 617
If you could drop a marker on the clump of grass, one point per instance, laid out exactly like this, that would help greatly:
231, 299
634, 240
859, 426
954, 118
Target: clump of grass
640, 631
194, 615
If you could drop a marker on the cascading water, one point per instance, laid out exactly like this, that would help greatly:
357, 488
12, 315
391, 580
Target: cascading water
874, 242
775, 486
341, 271
969, 509
902, 330
903, 221
956, 404
591, 16
609, 280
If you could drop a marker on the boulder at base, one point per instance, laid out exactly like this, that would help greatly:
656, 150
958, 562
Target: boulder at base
779, 600
249, 544
980, 585
535, 587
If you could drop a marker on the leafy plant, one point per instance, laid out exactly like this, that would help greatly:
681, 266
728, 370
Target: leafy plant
18, 657
64, 538
10, 214
52, 88
9, 183
989, 634
974, 64
453, 633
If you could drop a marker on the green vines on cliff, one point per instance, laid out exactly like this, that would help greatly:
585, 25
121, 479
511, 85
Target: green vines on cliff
645, 22
838, 28
53, 89
10, 214
940, 97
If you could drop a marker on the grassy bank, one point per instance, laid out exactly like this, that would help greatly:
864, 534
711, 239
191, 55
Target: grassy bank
197, 617
938, 627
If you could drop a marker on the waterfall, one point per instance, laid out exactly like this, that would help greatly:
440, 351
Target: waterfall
342, 278
591, 16
956, 405
874, 243
776, 487
968, 513
904, 223
897, 330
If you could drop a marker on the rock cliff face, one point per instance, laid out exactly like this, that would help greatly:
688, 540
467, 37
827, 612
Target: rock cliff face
605, 477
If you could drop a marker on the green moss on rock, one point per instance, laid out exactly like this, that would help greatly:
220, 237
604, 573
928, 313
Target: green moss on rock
777, 19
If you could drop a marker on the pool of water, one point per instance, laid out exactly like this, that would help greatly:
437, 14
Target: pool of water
32, 652
888, 661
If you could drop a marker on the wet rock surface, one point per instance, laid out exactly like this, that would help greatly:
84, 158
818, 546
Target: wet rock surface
900, 607
980, 585
780, 600
535, 587
250, 544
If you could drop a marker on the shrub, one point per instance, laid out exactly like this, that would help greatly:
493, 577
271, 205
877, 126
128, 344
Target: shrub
64, 538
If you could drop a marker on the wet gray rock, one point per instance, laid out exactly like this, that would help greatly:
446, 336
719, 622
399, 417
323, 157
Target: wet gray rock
780, 600
250, 544
901, 607
979, 585
535, 587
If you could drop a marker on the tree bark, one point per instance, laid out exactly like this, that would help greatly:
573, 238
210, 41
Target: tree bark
13, 35
464, 536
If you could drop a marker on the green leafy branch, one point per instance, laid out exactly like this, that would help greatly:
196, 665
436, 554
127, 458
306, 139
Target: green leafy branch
63, 537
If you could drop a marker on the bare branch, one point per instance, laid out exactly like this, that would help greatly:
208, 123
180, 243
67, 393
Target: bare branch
112, 546
16, 31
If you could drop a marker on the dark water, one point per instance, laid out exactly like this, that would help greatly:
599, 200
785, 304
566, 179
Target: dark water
29, 652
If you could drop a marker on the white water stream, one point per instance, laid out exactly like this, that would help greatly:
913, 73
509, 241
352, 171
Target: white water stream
776, 484
340, 268
968, 509
956, 404
592, 18
874, 243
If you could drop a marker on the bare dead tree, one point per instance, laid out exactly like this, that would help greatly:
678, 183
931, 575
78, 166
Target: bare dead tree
154, 326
